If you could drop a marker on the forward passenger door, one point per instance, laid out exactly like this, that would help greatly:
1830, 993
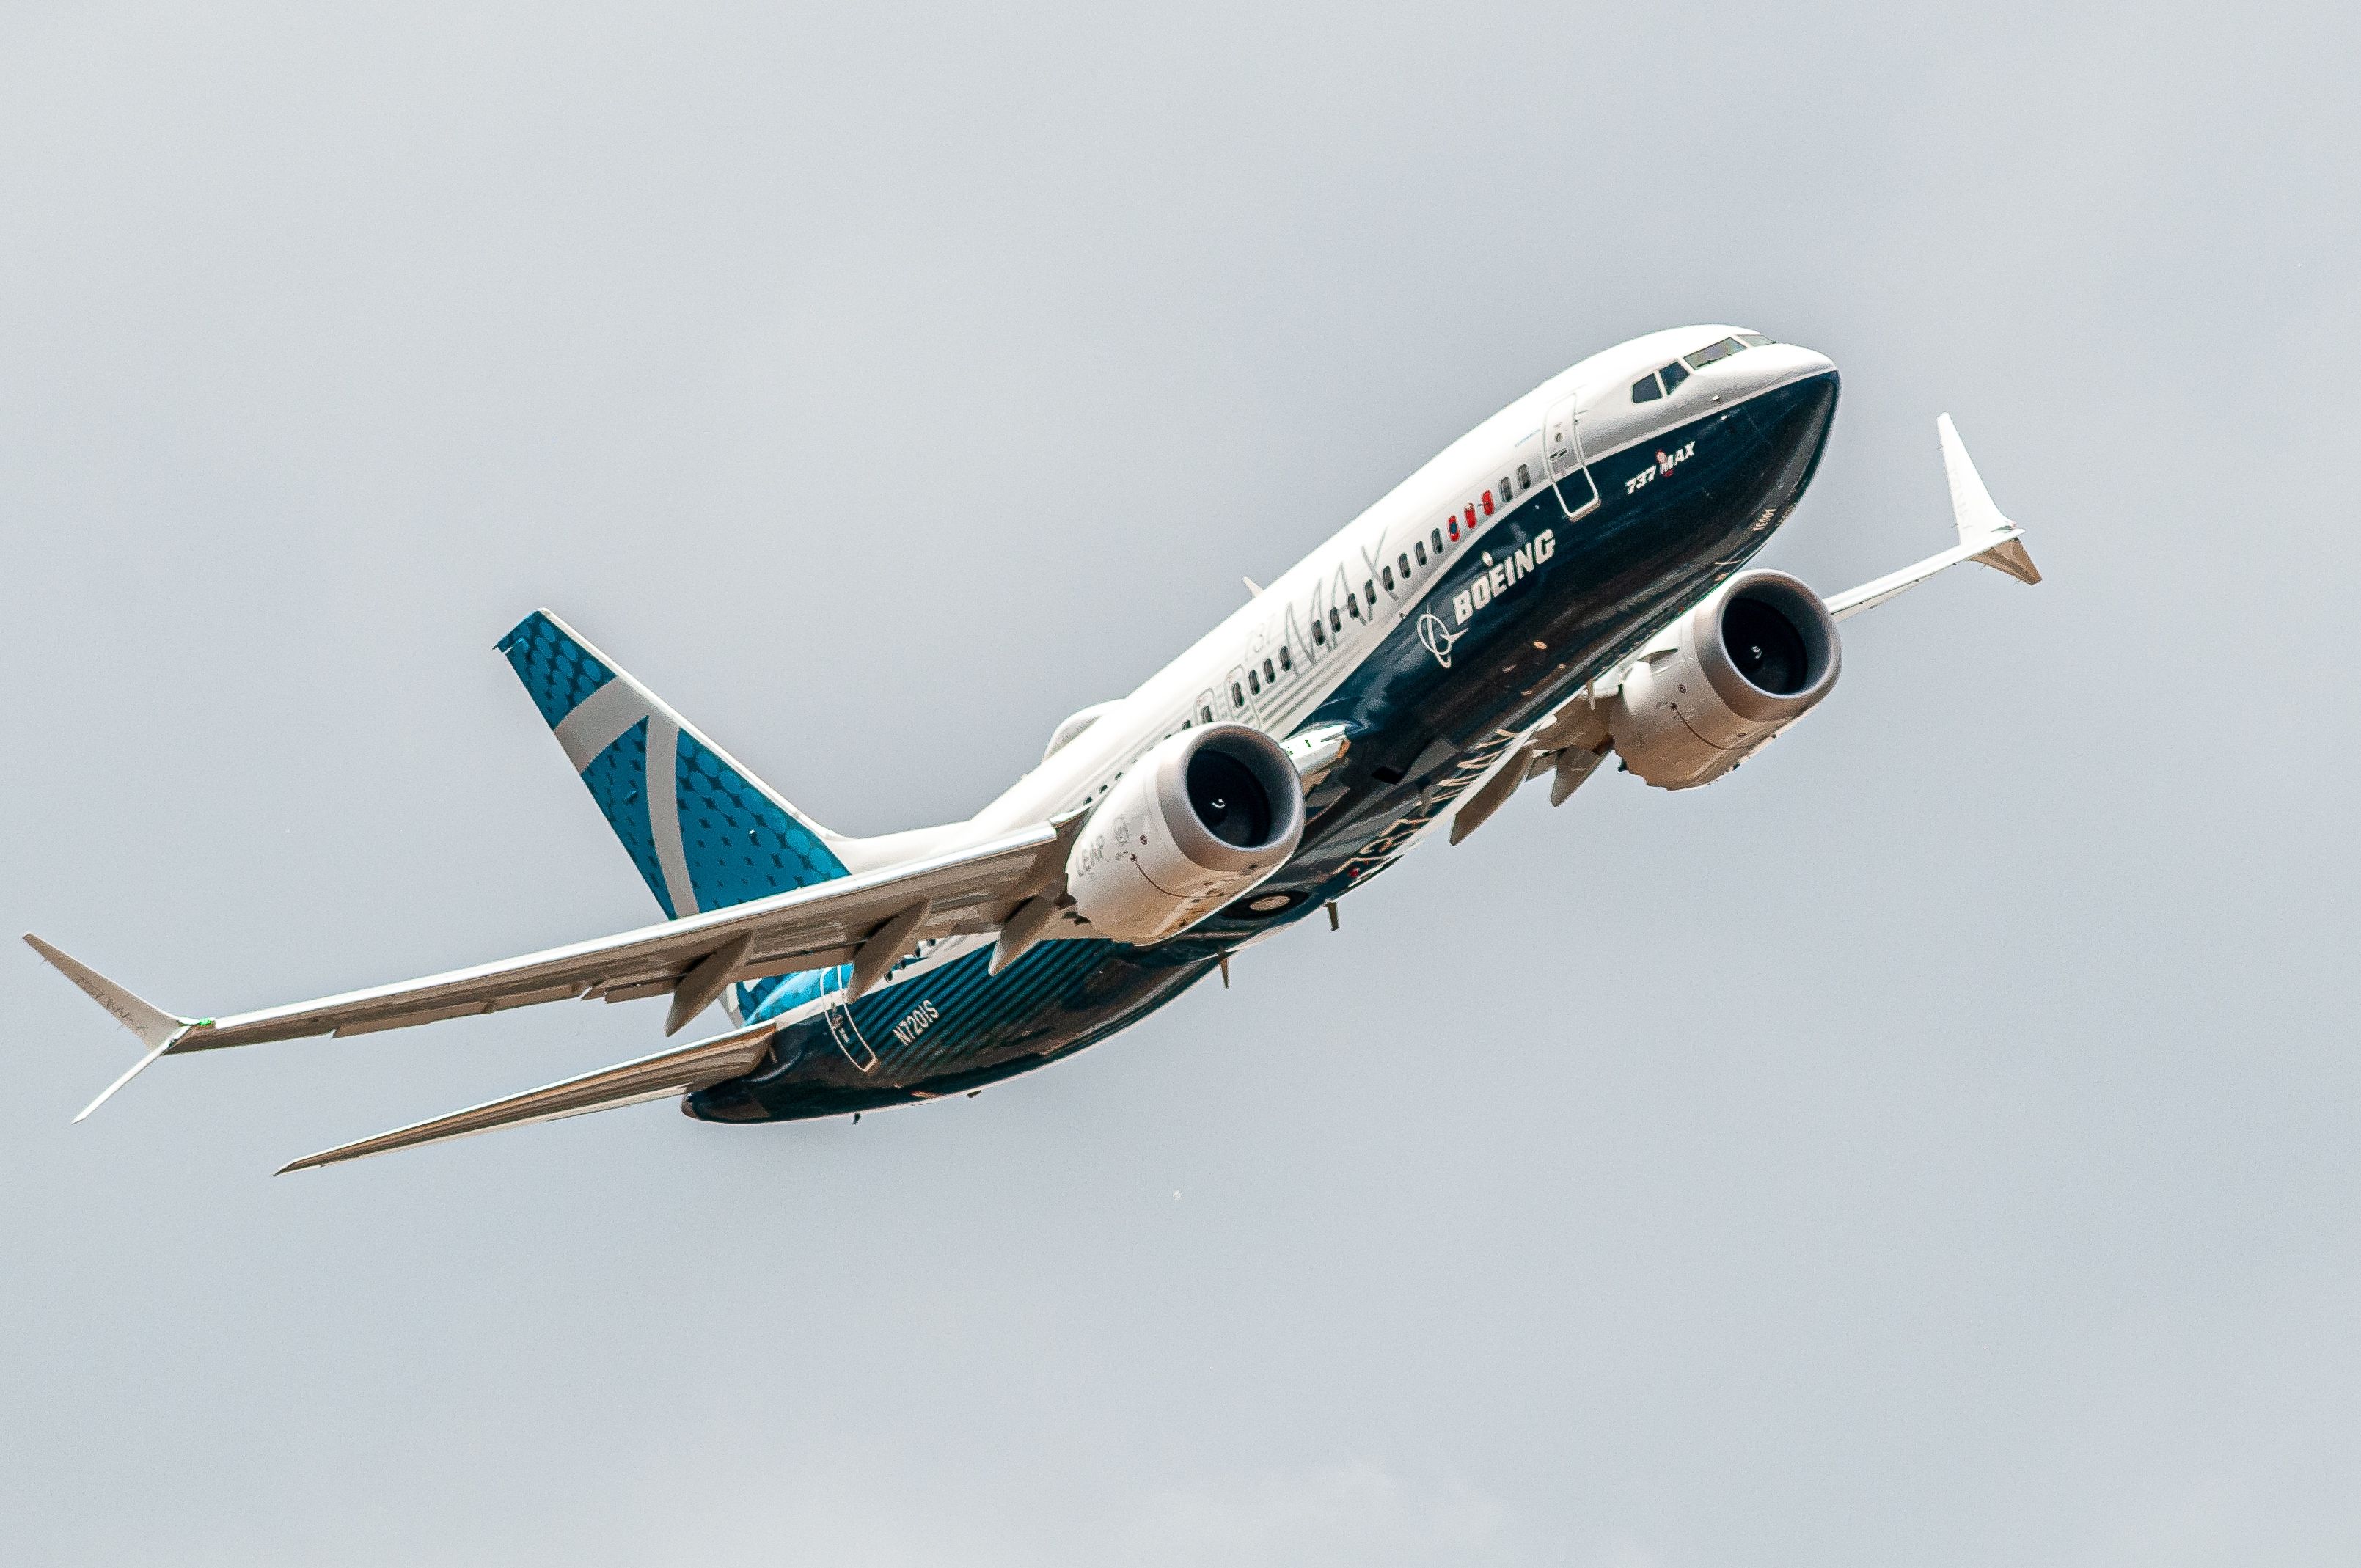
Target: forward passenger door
1562, 450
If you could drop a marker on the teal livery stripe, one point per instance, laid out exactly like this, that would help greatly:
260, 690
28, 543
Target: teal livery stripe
558, 672
702, 834
616, 778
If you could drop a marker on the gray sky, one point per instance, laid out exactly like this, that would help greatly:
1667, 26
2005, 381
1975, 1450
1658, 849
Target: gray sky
1935, 1144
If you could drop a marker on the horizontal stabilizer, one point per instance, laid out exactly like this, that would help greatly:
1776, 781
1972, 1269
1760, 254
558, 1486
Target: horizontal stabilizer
649, 1077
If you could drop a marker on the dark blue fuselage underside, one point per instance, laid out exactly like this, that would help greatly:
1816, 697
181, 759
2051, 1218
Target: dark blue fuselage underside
1615, 575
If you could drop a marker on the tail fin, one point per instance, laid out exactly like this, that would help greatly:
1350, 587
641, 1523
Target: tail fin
704, 832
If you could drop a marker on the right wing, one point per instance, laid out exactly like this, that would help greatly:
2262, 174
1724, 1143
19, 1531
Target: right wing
868, 921
1985, 536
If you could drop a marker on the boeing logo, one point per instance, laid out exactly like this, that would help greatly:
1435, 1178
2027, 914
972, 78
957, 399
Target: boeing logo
1437, 636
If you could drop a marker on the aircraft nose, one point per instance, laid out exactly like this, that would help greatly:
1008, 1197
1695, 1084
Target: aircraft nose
1778, 364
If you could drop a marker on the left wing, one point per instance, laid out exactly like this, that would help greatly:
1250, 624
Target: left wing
867, 921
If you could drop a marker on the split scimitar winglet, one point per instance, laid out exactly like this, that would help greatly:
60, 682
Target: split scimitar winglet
158, 1030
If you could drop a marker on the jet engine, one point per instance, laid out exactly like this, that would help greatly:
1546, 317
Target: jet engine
1745, 665
1202, 819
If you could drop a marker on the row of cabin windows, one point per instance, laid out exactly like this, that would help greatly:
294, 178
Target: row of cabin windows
1508, 492
1661, 383
1255, 681
1258, 679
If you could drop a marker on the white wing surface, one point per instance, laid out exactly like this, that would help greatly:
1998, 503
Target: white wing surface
867, 920
1985, 536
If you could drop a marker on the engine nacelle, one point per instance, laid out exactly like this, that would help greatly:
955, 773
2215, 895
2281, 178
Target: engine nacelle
1199, 821
1762, 650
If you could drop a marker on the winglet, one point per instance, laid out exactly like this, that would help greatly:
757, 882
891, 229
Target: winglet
1985, 536
158, 1030
1978, 521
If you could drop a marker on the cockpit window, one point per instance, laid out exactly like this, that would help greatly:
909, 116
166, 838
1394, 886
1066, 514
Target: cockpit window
1755, 340
1711, 352
1645, 391
1673, 374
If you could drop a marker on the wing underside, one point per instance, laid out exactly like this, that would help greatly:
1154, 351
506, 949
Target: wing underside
629, 1083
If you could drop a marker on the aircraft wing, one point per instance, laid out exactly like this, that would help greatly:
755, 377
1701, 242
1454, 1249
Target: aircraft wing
629, 1083
867, 921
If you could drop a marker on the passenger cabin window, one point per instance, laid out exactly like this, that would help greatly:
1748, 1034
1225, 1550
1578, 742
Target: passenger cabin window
1713, 351
1404, 565
1437, 537
1369, 592
1419, 550
1673, 374
1284, 662
1335, 621
1524, 479
1206, 714
1487, 503
1237, 694
1319, 632
1505, 492
1253, 684
1353, 606
1387, 573
1645, 391
1267, 673
1455, 525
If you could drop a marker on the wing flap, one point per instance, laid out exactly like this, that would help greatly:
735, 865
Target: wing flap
628, 1083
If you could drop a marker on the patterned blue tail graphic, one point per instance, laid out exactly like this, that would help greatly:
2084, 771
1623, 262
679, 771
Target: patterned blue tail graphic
706, 834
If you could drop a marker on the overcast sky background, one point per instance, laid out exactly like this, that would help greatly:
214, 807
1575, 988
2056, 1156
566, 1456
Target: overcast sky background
1936, 1143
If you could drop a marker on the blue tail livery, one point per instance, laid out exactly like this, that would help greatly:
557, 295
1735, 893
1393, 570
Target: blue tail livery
704, 832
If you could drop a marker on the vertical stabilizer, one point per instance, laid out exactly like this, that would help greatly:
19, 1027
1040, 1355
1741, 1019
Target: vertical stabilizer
704, 832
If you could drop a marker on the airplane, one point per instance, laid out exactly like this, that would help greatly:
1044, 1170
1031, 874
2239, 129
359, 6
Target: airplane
1567, 582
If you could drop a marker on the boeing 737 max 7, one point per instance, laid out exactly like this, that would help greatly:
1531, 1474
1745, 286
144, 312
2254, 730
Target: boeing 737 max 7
1566, 581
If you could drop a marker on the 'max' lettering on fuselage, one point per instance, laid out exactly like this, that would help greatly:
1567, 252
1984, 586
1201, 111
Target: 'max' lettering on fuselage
1497, 581
1666, 463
